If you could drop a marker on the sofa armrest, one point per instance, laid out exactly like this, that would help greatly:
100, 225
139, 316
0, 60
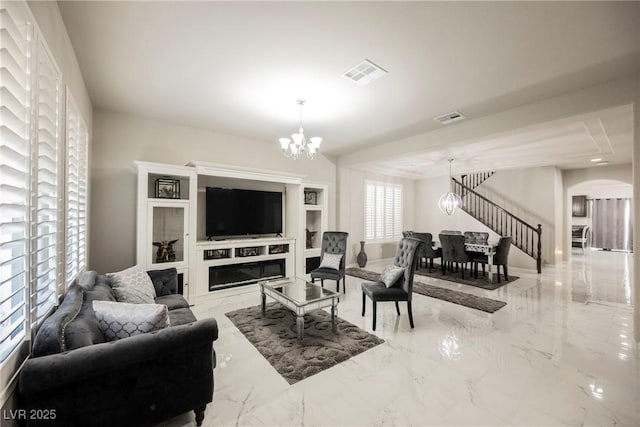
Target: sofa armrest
57, 370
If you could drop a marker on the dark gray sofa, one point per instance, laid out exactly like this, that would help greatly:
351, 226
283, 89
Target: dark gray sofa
81, 379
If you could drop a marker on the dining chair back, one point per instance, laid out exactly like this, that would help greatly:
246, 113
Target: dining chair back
453, 251
478, 237
451, 232
426, 252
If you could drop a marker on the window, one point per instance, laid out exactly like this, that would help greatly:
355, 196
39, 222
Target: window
45, 228
32, 196
76, 226
383, 211
15, 128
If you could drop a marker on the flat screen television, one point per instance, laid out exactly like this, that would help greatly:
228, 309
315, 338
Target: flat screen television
235, 212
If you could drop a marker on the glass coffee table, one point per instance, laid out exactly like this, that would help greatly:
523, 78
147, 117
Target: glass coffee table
301, 297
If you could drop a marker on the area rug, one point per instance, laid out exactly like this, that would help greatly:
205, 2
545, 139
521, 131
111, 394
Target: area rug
275, 337
480, 282
487, 305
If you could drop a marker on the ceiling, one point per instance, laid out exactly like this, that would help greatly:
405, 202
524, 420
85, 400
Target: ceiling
239, 67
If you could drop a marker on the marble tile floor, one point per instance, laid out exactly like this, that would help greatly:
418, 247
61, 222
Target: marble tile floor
560, 353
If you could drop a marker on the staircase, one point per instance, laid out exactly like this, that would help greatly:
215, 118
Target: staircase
475, 179
524, 236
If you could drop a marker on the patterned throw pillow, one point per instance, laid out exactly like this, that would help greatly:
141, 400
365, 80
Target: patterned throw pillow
119, 320
133, 285
331, 261
390, 275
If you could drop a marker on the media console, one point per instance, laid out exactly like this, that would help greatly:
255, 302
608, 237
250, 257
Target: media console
229, 263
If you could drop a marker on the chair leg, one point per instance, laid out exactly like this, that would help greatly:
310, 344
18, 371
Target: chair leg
322, 282
397, 308
338, 285
344, 285
410, 313
313, 280
462, 269
375, 310
364, 300
443, 267
504, 270
483, 269
498, 271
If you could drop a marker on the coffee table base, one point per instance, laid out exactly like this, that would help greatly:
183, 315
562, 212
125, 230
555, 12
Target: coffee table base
300, 311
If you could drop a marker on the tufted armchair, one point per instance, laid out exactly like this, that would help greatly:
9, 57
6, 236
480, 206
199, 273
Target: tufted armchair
407, 258
453, 251
333, 242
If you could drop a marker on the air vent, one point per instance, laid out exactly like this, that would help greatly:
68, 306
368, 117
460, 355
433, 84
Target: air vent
451, 117
364, 73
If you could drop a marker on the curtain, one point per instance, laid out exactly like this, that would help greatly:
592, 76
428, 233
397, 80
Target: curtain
613, 224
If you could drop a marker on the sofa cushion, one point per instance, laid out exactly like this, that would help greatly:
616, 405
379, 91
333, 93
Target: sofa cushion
165, 281
119, 320
173, 301
181, 316
50, 336
133, 285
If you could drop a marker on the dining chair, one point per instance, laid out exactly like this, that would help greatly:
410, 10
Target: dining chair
500, 258
426, 252
479, 237
334, 243
451, 232
453, 251
402, 290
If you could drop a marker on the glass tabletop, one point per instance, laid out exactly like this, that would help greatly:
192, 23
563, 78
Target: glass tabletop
298, 290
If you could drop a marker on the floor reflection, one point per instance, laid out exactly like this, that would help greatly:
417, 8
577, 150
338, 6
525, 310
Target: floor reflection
601, 276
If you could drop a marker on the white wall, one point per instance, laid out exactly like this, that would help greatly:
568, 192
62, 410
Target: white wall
351, 212
119, 139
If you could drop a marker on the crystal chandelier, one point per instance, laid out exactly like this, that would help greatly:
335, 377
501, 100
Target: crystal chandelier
450, 201
297, 144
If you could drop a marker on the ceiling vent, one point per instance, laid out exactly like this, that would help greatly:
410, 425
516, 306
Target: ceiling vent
451, 117
364, 73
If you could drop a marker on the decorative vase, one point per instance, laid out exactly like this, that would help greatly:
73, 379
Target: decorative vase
362, 256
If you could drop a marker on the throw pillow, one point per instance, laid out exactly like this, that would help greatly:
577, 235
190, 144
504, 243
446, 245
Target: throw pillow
133, 285
390, 275
119, 320
331, 261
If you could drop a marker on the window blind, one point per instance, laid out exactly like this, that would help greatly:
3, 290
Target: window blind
45, 178
15, 133
383, 211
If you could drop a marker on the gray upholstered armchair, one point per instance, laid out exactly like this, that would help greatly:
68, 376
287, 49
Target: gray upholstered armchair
335, 243
453, 251
402, 290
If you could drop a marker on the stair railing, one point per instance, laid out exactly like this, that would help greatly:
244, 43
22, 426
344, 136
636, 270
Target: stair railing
524, 236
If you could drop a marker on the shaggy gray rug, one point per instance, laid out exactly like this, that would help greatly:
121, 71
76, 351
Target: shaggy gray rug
480, 282
275, 337
487, 305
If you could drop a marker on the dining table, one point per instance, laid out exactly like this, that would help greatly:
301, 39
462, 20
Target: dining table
489, 249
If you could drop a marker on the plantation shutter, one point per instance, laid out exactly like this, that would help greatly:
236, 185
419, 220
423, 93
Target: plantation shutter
45, 175
77, 140
383, 211
15, 92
